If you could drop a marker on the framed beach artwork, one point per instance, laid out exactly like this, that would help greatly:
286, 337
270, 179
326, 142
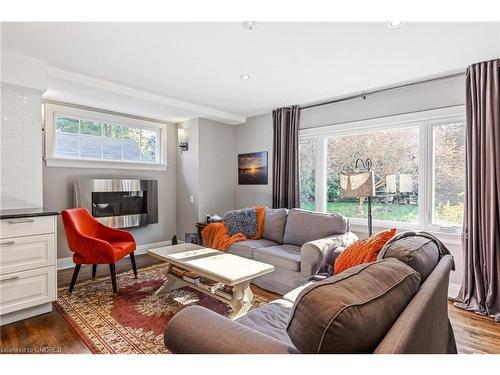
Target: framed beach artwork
252, 168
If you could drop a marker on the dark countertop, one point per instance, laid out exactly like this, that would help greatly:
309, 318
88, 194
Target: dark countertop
26, 212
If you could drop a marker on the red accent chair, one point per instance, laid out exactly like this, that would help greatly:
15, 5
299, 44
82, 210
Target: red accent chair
95, 243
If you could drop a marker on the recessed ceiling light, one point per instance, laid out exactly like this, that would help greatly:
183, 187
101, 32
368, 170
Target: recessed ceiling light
393, 24
245, 76
250, 25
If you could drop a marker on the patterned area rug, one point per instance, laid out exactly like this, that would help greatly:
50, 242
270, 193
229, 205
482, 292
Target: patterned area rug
133, 320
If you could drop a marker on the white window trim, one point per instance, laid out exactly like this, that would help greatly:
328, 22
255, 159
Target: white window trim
425, 121
52, 110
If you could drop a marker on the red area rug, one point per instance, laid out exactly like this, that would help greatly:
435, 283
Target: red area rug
133, 320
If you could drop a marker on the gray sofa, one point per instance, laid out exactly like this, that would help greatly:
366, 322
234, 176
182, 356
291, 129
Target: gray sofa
296, 243
397, 304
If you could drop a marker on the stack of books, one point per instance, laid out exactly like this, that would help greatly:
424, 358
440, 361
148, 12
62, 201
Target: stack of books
203, 282
225, 291
210, 285
189, 276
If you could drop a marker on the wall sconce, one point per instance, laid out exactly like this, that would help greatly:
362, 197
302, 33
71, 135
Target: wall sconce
183, 139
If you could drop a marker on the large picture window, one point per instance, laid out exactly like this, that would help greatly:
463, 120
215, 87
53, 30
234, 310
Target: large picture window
418, 164
395, 157
81, 137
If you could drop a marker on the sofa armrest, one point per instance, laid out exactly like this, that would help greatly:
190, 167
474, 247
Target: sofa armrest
292, 295
313, 252
196, 330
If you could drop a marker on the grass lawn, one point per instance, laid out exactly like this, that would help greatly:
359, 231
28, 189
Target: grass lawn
394, 212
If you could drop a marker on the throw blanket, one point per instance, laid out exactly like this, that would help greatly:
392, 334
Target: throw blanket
216, 235
443, 250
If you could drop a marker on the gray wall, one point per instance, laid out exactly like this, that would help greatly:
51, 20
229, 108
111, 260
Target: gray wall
217, 167
206, 172
58, 194
253, 136
188, 180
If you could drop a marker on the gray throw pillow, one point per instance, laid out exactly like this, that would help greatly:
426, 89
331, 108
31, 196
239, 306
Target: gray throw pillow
241, 221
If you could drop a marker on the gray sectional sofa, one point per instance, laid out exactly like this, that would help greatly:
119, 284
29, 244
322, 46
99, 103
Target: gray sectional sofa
397, 304
296, 242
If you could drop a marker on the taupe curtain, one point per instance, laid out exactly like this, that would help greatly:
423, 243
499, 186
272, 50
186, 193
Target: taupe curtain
286, 157
480, 291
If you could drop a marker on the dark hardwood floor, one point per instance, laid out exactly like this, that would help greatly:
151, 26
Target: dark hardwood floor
49, 333
474, 333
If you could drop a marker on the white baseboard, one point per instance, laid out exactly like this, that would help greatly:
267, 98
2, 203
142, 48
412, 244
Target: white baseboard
64, 263
453, 290
25, 313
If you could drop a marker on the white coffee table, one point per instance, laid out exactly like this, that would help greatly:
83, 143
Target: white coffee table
228, 269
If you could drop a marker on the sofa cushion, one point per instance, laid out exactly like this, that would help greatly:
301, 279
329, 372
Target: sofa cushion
303, 226
274, 224
363, 251
420, 253
282, 256
352, 312
270, 319
245, 248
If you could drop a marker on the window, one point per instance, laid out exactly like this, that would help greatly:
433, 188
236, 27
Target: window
307, 159
80, 137
87, 139
395, 157
449, 173
418, 164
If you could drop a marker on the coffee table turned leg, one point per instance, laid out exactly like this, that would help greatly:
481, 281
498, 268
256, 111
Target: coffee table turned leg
170, 284
242, 300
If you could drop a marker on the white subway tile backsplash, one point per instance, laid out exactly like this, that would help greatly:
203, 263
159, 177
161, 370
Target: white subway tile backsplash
21, 149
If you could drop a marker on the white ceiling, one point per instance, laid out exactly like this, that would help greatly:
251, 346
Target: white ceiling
289, 63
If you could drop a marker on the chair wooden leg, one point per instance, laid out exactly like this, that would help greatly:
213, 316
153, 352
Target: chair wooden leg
134, 267
73, 279
94, 270
112, 271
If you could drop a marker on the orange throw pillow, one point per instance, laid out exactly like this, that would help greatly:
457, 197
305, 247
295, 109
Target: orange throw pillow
363, 251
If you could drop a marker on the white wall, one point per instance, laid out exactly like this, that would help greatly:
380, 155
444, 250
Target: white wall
23, 81
253, 136
21, 147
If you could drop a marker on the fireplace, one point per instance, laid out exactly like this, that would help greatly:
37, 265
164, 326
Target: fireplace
119, 203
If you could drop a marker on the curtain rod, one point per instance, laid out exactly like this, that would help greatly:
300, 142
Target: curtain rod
363, 95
